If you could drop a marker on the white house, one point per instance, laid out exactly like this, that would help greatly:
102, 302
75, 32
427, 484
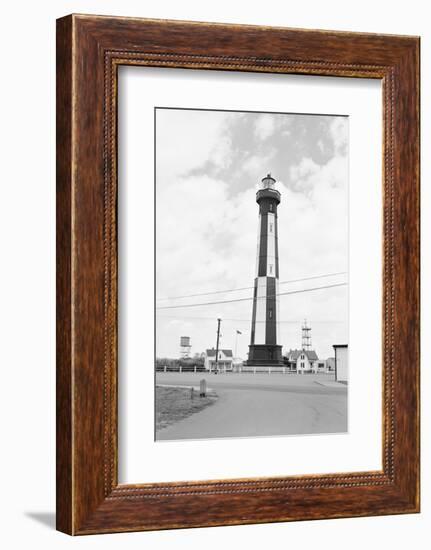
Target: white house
224, 363
302, 360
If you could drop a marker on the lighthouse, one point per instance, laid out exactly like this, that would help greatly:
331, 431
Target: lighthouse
264, 349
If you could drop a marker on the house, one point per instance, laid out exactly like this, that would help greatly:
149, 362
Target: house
321, 366
224, 362
301, 360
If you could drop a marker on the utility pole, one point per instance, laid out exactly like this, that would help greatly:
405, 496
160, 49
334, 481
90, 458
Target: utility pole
236, 342
218, 341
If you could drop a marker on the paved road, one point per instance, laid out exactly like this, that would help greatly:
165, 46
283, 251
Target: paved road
264, 382
261, 405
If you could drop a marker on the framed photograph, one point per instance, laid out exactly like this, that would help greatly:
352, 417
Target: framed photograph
237, 274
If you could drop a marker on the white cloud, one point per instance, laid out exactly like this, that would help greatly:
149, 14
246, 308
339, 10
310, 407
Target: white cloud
258, 165
304, 169
339, 134
264, 126
186, 139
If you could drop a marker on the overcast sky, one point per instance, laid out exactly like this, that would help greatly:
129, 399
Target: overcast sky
208, 167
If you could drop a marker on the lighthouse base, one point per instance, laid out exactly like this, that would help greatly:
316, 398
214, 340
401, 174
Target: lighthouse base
264, 355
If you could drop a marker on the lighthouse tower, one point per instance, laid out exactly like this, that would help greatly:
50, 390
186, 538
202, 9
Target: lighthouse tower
264, 349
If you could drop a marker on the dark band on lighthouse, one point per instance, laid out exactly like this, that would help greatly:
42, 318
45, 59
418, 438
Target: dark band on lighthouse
264, 348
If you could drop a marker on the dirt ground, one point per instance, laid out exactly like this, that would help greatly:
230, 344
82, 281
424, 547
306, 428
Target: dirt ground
175, 404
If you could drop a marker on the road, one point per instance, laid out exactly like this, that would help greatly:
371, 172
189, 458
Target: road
251, 405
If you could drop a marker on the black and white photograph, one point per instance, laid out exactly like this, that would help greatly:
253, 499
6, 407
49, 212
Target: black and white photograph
251, 274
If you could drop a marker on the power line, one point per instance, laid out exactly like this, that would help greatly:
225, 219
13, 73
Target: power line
294, 322
249, 287
251, 298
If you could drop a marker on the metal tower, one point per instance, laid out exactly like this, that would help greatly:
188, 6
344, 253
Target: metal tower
306, 336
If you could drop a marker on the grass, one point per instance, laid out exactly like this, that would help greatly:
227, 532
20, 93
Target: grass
175, 404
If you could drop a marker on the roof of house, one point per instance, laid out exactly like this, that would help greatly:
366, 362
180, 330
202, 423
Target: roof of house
295, 353
226, 352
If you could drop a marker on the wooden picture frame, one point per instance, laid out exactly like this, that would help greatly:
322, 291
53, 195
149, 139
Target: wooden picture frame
89, 51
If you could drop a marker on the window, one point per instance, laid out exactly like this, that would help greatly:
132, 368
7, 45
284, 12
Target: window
270, 313
302, 365
270, 268
270, 207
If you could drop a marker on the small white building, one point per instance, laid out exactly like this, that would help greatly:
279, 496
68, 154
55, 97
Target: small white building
341, 362
301, 360
224, 363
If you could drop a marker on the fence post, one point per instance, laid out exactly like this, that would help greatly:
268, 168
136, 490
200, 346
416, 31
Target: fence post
202, 388
195, 369
181, 368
